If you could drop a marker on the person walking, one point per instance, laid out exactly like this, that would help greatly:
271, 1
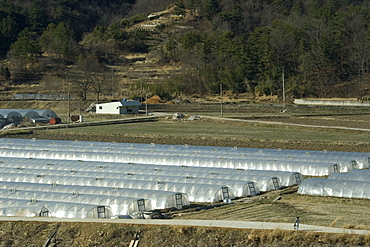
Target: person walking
296, 224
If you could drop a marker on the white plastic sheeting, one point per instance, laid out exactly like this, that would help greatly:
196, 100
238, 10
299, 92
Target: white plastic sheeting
200, 187
159, 199
195, 192
205, 174
118, 205
286, 178
31, 208
334, 187
242, 183
358, 175
241, 188
306, 168
346, 160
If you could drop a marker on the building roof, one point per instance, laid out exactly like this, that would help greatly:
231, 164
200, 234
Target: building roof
123, 103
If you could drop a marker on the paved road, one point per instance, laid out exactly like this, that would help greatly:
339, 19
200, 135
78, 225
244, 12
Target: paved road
208, 223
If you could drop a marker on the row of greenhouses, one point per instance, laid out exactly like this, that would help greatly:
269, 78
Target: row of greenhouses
312, 163
79, 182
354, 184
8, 116
345, 159
263, 178
158, 199
313, 168
32, 208
195, 192
358, 175
107, 179
120, 174
239, 187
286, 178
118, 205
117, 193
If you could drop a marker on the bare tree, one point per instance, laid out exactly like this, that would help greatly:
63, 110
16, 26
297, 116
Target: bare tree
88, 71
103, 82
360, 46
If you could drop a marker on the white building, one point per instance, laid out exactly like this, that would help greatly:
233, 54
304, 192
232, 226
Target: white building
118, 107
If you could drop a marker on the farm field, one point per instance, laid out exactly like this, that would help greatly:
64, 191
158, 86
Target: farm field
323, 211
256, 133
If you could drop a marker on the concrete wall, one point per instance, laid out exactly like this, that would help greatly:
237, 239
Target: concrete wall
129, 109
108, 108
332, 102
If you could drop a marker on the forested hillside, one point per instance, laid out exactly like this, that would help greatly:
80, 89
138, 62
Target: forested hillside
318, 48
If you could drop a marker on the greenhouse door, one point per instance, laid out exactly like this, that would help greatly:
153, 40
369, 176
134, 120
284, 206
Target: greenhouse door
335, 167
252, 189
276, 183
225, 193
297, 178
44, 212
141, 205
178, 201
102, 212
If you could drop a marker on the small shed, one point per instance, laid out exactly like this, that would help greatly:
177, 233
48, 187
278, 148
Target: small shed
119, 107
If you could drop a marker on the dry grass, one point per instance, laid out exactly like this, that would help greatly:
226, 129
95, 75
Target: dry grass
334, 222
105, 234
320, 211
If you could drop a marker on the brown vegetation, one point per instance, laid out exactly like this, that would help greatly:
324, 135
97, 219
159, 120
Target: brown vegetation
116, 234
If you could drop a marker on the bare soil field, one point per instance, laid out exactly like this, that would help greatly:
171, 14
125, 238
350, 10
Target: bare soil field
323, 211
221, 132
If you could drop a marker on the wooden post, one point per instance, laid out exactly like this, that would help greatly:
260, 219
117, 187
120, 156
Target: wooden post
222, 113
69, 108
135, 242
283, 88
146, 102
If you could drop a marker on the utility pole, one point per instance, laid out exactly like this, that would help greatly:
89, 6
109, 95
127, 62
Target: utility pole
69, 108
146, 101
112, 80
283, 88
222, 114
